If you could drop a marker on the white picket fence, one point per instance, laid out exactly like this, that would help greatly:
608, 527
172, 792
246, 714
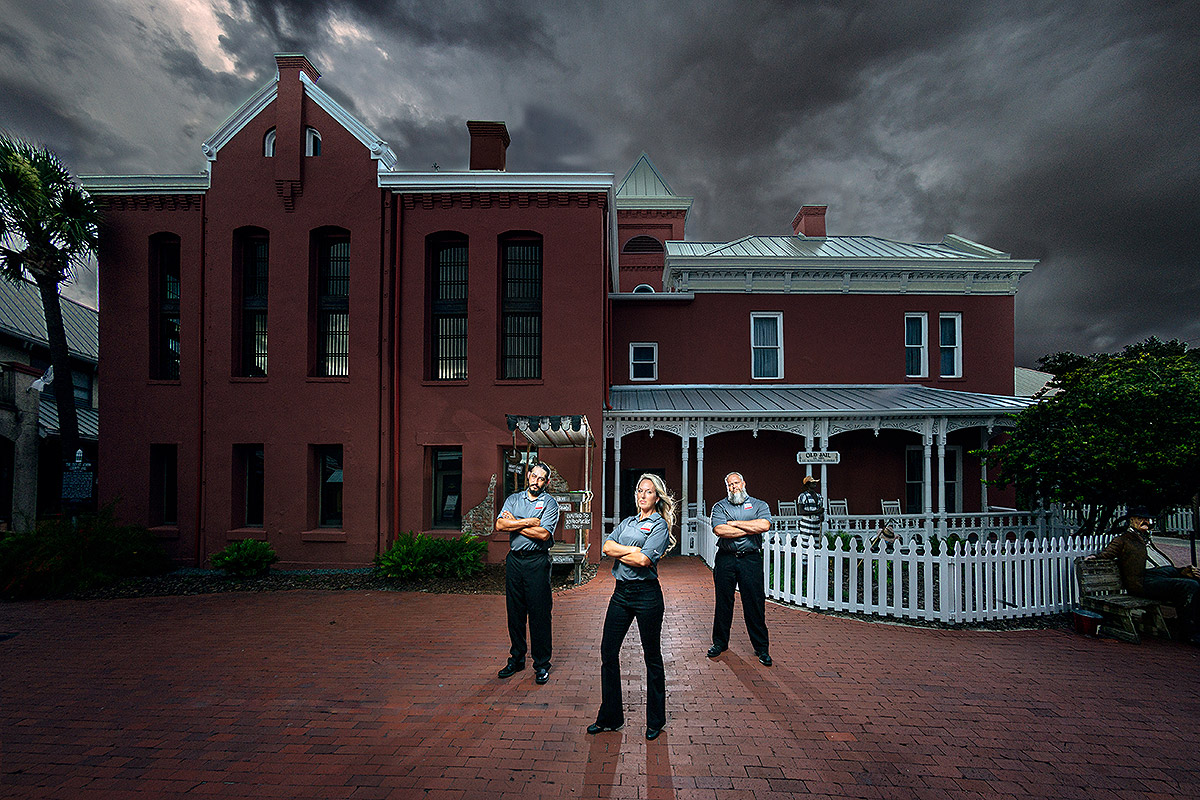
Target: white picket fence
994, 578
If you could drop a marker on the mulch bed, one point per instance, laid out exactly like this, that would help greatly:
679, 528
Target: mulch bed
206, 581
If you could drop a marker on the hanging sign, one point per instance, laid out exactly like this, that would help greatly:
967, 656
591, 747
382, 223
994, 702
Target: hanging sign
818, 457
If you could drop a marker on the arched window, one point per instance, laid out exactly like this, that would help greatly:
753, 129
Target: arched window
643, 244
312, 142
447, 336
269, 144
643, 288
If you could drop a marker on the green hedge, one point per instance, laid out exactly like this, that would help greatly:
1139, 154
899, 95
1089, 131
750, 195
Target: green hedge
415, 556
57, 558
249, 558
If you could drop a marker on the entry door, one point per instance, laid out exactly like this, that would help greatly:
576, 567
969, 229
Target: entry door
629, 479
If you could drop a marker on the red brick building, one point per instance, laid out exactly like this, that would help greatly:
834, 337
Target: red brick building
308, 345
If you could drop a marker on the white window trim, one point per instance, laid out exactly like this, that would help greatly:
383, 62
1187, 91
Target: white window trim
924, 345
958, 348
269, 144
778, 317
956, 479
654, 346
312, 140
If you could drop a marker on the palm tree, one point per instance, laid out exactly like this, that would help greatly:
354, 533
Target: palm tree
49, 226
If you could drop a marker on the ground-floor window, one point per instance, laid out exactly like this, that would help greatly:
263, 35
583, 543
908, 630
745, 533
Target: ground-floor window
249, 483
328, 472
164, 484
914, 478
447, 487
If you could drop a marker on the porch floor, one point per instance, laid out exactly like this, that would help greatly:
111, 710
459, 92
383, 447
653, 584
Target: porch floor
394, 695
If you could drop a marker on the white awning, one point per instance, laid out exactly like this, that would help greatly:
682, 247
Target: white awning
555, 430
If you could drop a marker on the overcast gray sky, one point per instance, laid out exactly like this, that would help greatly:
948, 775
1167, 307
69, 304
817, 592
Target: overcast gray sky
1065, 131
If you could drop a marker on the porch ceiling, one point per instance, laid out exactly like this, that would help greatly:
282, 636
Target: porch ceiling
694, 401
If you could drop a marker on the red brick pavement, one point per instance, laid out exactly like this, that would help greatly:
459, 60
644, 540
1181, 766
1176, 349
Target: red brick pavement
394, 695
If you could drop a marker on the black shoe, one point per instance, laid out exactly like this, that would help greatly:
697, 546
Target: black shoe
652, 733
715, 651
765, 658
510, 669
541, 675
596, 727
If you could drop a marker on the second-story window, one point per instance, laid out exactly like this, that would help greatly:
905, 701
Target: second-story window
251, 253
448, 309
331, 304
521, 309
950, 343
914, 345
766, 345
643, 361
164, 306
312, 142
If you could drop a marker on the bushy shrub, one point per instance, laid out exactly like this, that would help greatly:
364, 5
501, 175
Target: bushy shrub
58, 558
249, 558
415, 556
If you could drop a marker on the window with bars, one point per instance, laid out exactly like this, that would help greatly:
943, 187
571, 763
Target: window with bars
914, 345
448, 309
250, 485
252, 251
164, 484
332, 305
521, 309
164, 306
766, 345
950, 341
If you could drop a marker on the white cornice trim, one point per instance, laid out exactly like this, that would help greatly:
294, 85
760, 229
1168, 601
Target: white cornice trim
655, 203
145, 184
494, 181
379, 149
240, 119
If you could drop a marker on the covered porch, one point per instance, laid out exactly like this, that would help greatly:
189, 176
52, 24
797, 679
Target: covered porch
903, 443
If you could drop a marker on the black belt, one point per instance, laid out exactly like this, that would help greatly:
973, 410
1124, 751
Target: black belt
528, 553
742, 553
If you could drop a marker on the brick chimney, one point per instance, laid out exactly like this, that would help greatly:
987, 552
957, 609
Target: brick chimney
289, 126
489, 144
810, 221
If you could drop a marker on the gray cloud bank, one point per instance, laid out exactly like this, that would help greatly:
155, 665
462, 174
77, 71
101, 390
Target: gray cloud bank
1065, 131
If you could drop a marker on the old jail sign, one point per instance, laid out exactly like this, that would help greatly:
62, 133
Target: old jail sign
818, 457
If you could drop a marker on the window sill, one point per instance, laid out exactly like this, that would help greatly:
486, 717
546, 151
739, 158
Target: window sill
165, 531
779, 378
163, 382
323, 535
445, 383
237, 534
315, 379
533, 382
247, 379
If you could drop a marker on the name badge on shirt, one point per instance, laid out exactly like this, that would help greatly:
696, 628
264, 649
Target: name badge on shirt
748, 506
646, 527
538, 505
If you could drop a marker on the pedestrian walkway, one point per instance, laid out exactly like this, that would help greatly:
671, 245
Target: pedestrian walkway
395, 695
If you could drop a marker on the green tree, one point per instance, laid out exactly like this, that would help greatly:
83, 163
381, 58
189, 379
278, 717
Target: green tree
49, 227
1125, 429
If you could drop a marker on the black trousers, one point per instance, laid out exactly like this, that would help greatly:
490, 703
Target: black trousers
746, 574
527, 595
641, 600
1166, 584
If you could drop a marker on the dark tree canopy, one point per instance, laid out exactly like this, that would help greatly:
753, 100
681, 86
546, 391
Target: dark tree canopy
1123, 430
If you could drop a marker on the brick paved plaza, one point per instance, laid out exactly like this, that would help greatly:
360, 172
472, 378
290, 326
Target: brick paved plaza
394, 695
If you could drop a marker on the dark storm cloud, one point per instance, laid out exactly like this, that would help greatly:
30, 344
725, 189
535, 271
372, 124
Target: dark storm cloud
1062, 131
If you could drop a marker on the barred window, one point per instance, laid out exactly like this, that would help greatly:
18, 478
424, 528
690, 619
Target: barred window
252, 251
521, 310
332, 305
164, 305
448, 272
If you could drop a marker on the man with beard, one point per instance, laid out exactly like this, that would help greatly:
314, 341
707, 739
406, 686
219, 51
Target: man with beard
739, 521
529, 518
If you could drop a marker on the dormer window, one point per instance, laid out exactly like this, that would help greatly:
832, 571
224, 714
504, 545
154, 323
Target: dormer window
312, 142
643, 288
269, 144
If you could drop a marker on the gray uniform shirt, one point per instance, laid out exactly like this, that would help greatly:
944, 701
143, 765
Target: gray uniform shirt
650, 534
544, 507
751, 508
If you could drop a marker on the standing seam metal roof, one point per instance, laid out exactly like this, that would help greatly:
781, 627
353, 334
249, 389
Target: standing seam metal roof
881, 400
829, 247
21, 315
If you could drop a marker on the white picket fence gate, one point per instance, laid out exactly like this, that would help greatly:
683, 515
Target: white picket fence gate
1000, 578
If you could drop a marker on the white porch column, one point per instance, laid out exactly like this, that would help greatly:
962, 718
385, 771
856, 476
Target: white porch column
700, 509
686, 447
823, 446
927, 480
983, 445
616, 512
603, 481
941, 457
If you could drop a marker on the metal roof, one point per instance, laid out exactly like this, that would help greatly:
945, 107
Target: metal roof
802, 247
21, 316
805, 401
89, 419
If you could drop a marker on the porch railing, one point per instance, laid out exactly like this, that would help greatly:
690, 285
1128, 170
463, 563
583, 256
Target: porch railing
924, 577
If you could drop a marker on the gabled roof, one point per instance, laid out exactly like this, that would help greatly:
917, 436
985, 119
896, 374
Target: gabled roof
806, 401
379, 149
644, 188
21, 316
1032, 383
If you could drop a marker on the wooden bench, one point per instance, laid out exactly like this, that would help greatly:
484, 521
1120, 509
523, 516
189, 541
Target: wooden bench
1101, 591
